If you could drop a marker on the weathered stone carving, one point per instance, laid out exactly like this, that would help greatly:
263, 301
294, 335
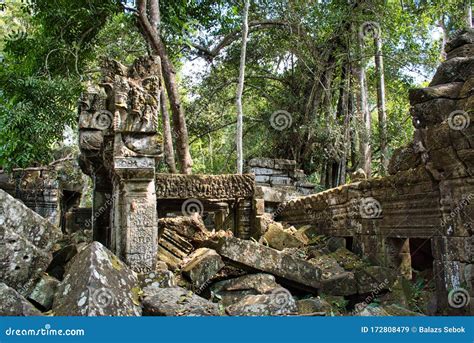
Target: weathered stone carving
120, 145
172, 186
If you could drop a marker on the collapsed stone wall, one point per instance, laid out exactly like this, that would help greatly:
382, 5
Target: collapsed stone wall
429, 194
45, 190
281, 174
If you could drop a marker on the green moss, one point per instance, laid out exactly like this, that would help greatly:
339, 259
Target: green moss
116, 264
136, 294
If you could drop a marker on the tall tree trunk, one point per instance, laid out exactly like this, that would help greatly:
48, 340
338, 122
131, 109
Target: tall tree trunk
240, 89
444, 38
343, 117
152, 36
364, 114
347, 124
381, 107
468, 9
167, 138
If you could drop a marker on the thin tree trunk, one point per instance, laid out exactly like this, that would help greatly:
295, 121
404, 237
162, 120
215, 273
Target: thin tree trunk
444, 38
468, 8
167, 138
240, 89
381, 107
153, 38
347, 124
364, 115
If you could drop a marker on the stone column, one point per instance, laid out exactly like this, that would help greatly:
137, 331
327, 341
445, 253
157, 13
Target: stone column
135, 214
243, 215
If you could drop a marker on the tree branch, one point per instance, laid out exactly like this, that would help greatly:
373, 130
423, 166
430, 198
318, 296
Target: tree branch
211, 53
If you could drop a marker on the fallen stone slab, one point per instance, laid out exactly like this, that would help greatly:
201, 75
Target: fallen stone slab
230, 291
176, 301
43, 293
97, 283
160, 278
279, 238
191, 227
173, 248
265, 259
372, 311
336, 280
13, 303
313, 305
26, 239
201, 266
399, 311
374, 279
279, 302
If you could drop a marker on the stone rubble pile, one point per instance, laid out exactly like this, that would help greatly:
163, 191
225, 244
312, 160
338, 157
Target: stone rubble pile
218, 274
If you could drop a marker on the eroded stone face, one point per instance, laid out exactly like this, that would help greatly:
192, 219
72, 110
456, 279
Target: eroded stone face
97, 283
26, 239
279, 302
176, 301
279, 238
43, 292
13, 304
233, 290
203, 264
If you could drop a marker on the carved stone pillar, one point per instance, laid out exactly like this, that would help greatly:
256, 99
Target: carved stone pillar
135, 215
243, 215
120, 146
133, 97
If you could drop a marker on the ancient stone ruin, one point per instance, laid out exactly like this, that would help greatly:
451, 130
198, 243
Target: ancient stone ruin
252, 244
422, 215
